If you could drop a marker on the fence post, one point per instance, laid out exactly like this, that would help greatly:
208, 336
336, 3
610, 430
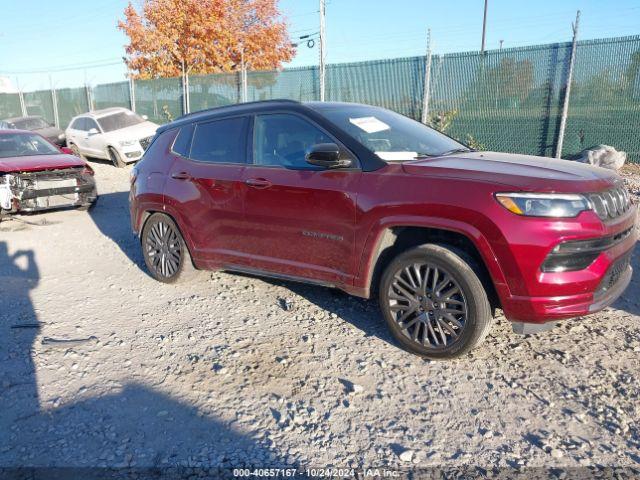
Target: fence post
132, 94
567, 93
54, 103
23, 106
427, 82
87, 91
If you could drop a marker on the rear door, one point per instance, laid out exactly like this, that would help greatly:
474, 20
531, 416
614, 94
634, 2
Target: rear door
299, 219
203, 188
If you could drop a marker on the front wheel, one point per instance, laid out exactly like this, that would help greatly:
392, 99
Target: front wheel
434, 303
116, 159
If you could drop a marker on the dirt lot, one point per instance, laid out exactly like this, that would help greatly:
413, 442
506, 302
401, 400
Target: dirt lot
228, 369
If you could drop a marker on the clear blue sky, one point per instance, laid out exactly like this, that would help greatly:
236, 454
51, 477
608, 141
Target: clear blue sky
47, 35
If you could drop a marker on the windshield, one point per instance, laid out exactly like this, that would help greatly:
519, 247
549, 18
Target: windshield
119, 120
391, 136
30, 124
25, 144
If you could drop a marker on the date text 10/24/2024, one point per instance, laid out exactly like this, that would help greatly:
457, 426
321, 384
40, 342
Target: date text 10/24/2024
316, 472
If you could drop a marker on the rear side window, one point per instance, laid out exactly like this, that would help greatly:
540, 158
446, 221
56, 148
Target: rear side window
220, 141
182, 143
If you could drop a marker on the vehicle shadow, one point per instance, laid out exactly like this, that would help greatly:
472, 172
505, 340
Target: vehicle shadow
363, 314
134, 431
630, 299
111, 216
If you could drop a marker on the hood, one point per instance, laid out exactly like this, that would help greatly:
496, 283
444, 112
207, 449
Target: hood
521, 172
135, 132
39, 162
50, 133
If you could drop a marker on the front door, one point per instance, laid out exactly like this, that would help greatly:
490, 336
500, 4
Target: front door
299, 219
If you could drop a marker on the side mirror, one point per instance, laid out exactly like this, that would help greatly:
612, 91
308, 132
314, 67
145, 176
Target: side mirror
327, 155
93, 131
66, 150
144, 117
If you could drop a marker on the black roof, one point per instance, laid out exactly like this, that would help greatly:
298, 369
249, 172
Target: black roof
226, 109
251, 107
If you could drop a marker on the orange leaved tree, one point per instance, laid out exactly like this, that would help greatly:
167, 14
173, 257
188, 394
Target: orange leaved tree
204, 36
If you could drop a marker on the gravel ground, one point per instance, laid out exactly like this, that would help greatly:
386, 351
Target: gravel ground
115, 369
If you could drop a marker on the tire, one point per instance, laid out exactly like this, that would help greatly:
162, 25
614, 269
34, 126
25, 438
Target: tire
439, 322
161, 235
76, 151
115, 158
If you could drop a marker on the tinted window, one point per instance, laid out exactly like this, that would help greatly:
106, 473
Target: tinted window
33, 123
182, 143
90, 123
220, 141
282, 139
119, 120
25, 144
78, 124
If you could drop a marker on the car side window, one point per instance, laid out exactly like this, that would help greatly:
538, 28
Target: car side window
220, 141
283, 140
91, 123
182, 143
78, 124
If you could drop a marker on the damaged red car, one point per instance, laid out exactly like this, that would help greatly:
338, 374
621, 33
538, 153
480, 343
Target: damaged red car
36, 175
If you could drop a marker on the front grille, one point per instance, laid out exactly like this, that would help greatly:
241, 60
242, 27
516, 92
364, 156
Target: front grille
611, 203
614, 273
144, 142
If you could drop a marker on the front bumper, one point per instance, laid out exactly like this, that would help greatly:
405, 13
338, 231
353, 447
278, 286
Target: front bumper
564, 295
44, 190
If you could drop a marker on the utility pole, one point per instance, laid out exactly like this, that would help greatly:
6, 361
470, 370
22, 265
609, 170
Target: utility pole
484, 26
567, 92
501, 42
427, 81
322, 50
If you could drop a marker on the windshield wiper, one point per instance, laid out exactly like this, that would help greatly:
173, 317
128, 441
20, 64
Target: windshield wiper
456, 150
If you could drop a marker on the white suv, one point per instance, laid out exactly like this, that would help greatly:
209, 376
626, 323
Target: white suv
115, 134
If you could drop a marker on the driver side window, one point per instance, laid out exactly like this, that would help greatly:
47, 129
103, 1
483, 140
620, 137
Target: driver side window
283, 140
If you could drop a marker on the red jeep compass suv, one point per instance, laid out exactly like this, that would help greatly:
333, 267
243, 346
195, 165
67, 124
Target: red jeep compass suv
367, 200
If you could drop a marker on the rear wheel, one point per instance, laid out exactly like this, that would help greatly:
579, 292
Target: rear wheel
163, 247
434, 303
116, 159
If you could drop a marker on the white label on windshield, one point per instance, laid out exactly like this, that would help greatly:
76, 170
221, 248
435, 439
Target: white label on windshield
369, 124
395, 156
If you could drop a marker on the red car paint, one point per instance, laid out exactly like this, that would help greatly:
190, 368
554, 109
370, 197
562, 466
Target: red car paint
327, 226
38, 162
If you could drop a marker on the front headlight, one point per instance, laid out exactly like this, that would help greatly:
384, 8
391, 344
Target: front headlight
558, 205
61, 136
127, 143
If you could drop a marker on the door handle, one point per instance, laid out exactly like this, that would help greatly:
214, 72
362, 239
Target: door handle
181, 176
258, 182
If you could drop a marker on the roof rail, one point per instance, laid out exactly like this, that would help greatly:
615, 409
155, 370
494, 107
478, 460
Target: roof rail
212, 109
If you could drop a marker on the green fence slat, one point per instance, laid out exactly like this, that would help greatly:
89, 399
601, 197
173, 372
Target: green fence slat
506, 100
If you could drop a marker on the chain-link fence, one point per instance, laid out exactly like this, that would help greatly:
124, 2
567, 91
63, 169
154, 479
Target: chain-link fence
508, 99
